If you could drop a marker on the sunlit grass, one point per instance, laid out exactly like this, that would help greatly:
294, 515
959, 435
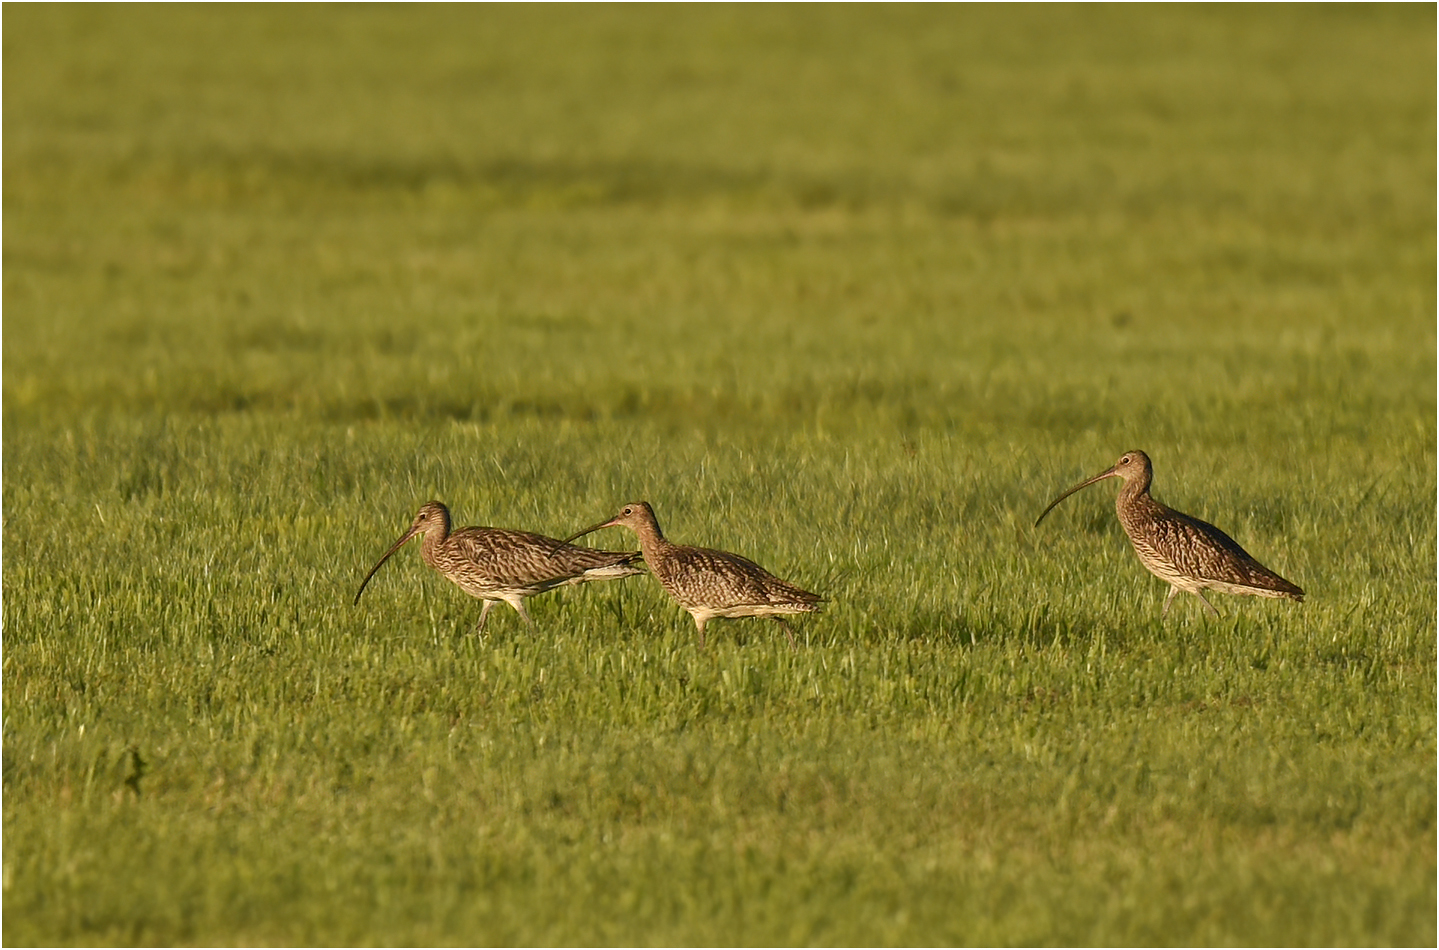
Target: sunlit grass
851, 291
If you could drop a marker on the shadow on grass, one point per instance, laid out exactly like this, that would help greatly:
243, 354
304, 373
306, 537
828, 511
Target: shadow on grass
308, 176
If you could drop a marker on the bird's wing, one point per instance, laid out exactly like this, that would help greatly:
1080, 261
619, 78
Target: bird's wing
1199, 549
525, 558
722, 579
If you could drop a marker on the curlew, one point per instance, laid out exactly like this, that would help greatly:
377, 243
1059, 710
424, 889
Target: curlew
497, 564
709, 583
1184, 552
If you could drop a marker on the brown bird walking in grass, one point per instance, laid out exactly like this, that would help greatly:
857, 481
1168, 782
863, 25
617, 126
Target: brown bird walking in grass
1188, 554
709, 583
497, 564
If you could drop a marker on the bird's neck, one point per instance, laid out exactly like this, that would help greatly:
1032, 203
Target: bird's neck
652, 539
1134, 488
1134, 503
432, 541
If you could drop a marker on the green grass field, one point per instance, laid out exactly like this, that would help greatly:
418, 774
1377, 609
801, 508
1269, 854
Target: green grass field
854, 291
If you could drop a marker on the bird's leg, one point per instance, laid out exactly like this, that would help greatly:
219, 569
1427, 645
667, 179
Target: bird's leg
787, 631
519, 604
1173, 592
1205, 601
484, 612
700, 626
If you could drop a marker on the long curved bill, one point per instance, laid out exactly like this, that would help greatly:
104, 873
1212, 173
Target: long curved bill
393, 548
1107, 473
580, 534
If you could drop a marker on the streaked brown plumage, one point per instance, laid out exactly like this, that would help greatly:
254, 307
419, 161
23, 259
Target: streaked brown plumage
709, 583
1188, 554
497, 564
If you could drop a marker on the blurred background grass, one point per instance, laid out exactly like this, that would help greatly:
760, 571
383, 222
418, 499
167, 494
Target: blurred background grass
804, 211
851, 290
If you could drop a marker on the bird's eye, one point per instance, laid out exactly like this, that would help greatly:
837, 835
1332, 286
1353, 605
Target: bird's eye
628, 511
1124, 461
